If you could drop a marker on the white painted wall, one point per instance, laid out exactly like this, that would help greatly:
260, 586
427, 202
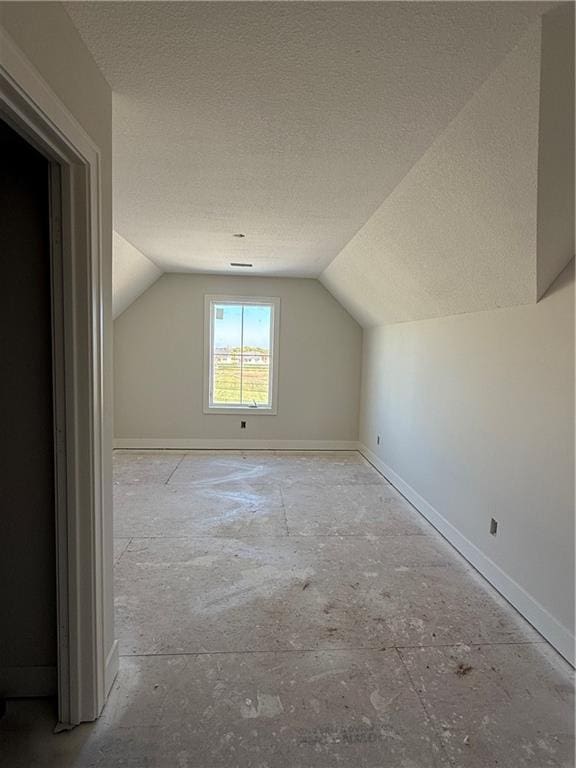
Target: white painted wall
132, 274
158, 369
46, 35
476, 417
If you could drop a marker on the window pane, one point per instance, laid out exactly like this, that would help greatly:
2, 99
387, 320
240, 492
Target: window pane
241, 354
226, 381
256, 354
227, 342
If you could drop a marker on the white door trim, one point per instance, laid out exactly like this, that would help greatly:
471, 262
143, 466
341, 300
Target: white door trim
32, 108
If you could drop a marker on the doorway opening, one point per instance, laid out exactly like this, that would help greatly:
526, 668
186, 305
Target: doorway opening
33, 552
28, 469
80, 657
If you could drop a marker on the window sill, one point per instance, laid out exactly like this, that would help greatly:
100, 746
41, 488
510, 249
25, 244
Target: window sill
230, 411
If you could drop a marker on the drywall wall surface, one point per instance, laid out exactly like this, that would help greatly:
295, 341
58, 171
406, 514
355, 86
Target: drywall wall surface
132, 274
46, 34
159, 367
47, 37
556, 146
458, 233
476, 415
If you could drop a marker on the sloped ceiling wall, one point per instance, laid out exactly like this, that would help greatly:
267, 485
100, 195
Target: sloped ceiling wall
556, 146
460, 231
132, 274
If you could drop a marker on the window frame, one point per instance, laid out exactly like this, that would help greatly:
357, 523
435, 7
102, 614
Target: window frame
274, 303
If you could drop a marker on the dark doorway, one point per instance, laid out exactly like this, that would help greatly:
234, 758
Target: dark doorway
28, 618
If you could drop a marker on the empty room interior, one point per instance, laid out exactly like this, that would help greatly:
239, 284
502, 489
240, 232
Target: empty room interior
288, 384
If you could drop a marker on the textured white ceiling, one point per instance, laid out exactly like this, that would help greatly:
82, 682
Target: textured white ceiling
289, 122
458, 234
472, 226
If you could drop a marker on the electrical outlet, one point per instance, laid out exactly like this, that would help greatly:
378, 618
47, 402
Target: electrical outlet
378, 440
493, 527
242, 425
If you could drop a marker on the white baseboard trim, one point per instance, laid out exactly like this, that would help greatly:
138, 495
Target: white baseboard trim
246, 444
550, 628
28, 682
111, 667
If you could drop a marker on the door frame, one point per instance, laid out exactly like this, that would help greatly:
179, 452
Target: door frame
27, 103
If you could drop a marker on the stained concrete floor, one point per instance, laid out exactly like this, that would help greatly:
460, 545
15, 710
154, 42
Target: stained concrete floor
286, 610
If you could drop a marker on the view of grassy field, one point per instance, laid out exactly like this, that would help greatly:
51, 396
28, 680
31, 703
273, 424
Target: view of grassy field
236, 384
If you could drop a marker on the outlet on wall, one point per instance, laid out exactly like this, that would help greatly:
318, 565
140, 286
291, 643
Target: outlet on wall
242, 425
378, 440
493, 527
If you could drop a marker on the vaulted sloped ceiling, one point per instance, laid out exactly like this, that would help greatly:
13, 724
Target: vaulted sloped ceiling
485, 218
458, 233
390, 148
132, 274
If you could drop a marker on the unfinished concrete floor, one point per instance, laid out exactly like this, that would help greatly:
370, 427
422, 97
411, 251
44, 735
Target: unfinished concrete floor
291, 610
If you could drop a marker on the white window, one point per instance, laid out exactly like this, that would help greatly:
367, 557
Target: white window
241, 354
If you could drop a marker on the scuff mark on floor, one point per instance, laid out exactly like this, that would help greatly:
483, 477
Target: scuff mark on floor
380, 704
267, 705
463, 669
